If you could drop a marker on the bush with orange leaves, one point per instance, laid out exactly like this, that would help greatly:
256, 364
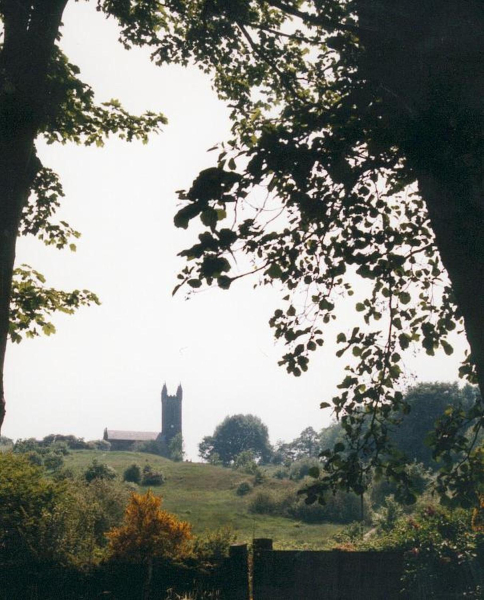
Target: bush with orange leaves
148, 532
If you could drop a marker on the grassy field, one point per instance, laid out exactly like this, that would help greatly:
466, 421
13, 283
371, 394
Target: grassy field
206, 496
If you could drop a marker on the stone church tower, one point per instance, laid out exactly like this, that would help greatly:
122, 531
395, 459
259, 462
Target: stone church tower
171, 425
171, 414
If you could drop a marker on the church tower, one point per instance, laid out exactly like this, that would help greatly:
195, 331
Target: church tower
171, 414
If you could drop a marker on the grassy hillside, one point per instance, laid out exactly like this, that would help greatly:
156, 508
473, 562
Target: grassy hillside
206, 496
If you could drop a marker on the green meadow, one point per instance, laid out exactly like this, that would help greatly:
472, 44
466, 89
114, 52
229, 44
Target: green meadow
205, 495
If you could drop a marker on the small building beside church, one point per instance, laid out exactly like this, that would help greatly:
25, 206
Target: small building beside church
171, 425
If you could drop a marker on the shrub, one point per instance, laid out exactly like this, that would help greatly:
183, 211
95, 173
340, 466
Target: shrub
151, 447
282, 473
5, 443
300, 468
40, 519
272, 503
381, 489
41, 448
262, 503
102, 503
54, 520
58, 448
308, 513
26, 497
71, 441
259, 476
148, 532
350, 534
97, 470
22, 446
34, 458
214, 459
389, 514
53, 461
341, 507
65, 474
175, 448
440, 553
151, 477
132, 473
245, 461
243, 488
102, 445
213, 546
131, 486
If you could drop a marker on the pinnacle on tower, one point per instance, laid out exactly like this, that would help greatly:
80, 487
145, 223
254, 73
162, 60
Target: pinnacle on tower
164, 392
179, 392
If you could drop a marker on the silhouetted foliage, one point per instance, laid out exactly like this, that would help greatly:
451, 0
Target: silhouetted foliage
363, 125
427, 403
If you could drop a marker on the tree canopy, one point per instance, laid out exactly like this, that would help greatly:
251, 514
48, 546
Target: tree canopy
306, 445
430, 407
237, 434
356, 155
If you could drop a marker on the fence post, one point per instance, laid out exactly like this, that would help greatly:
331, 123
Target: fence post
261, 570
237, 584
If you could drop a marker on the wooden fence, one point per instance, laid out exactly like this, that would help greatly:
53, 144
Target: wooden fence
266, 574
312, 575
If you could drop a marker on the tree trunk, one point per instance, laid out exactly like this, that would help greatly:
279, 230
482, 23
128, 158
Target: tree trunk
30, 30
16, 170
458, 223
426, 59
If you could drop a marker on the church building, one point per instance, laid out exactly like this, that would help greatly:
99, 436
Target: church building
171, 425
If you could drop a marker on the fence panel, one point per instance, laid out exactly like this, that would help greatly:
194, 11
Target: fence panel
326, 575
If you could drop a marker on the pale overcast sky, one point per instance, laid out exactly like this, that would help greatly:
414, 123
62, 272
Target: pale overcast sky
106, 365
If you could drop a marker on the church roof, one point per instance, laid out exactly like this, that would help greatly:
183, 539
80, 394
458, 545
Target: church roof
132, 436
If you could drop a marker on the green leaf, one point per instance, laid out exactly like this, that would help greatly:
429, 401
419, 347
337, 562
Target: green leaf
448, 349
404, 297
194, 283
185, 214
224, 282
209, 217
48, 329
404, 340
274, 271
314, 472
